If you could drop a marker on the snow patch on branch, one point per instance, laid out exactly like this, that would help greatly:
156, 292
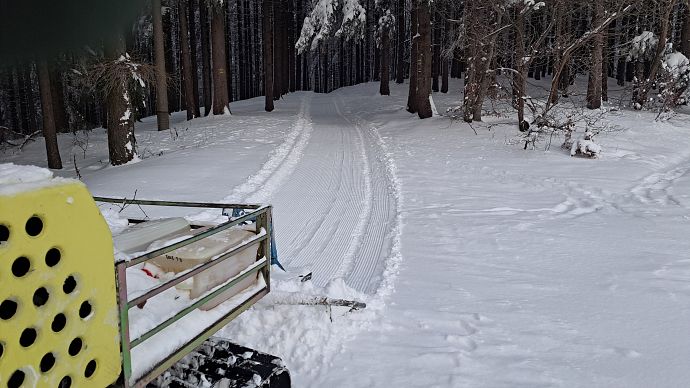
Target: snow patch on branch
321, 21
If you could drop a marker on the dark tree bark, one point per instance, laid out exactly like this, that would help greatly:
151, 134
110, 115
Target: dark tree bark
425, 60
205, 57
400, 67
187, 75
414, 61
278, 25
436, 59
11, 99
192, 7
27, 117
220, 76
445, 63
121, 141
163, 118
520, 78
291, 46
56, 90
384, 87
49, 132
685, 32
268, 53
595, 74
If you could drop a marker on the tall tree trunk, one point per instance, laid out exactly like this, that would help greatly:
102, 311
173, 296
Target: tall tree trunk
49, 133
436, 44
605, 69
290, 36
59, 111
414, 61
163, 118
520, 78
121, 141
384, 88
425, 60
26, 116
268, 53
205, 57
400, 66
192, 7
445, 63
595, 73
278, 50
187, 75
220, 80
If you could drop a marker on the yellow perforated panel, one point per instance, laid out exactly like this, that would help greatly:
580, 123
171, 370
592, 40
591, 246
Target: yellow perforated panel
58, 309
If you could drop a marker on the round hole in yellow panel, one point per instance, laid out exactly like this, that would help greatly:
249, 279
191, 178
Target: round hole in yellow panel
4, 234
28, 337
8, 308
69, 285
75, 347
47, 362
58, 323
2, 349
41, 296
66, 382
90, 369
21, 266
85, 310
34, 226
53, 257
16, 379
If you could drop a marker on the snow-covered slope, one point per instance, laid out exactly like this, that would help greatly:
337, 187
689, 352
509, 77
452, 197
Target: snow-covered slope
482, 264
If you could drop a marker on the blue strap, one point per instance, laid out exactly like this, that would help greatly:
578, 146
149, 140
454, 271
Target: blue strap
236, 213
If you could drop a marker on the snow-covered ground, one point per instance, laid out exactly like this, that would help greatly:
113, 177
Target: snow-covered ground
482, 264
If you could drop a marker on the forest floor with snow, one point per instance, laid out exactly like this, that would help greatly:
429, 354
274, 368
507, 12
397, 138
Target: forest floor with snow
482, 264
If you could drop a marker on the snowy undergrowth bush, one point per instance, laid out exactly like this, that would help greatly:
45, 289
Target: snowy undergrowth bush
585, 146
673, 81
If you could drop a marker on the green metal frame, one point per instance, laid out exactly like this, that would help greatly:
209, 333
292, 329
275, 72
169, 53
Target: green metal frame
261, 215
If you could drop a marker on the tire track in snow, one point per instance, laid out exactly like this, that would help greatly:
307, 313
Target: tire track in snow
260, 186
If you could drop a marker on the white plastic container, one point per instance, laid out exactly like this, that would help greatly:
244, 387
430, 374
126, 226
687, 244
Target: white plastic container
204, 251
138, 238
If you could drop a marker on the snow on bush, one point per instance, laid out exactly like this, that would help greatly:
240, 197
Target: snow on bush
643, 46
673, 80
586, 146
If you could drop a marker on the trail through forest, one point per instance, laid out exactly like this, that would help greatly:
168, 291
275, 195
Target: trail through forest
481, 264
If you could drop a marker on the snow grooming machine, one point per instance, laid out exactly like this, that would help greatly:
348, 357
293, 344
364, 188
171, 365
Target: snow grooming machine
65, 309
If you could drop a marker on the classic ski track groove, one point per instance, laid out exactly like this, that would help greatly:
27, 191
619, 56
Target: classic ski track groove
280, 164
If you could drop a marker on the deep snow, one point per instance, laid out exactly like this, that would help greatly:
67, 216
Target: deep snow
482, 264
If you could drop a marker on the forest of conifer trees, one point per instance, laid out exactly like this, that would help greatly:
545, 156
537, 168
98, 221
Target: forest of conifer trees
204, 54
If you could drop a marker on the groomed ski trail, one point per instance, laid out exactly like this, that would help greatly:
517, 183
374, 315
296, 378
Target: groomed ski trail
333, 197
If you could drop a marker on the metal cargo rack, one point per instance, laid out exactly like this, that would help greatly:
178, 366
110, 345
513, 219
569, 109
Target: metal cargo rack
260, 215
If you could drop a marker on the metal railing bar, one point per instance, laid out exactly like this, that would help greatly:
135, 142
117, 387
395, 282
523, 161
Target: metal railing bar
216, 229
212, 205
198, 340
251, 270
181, 278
